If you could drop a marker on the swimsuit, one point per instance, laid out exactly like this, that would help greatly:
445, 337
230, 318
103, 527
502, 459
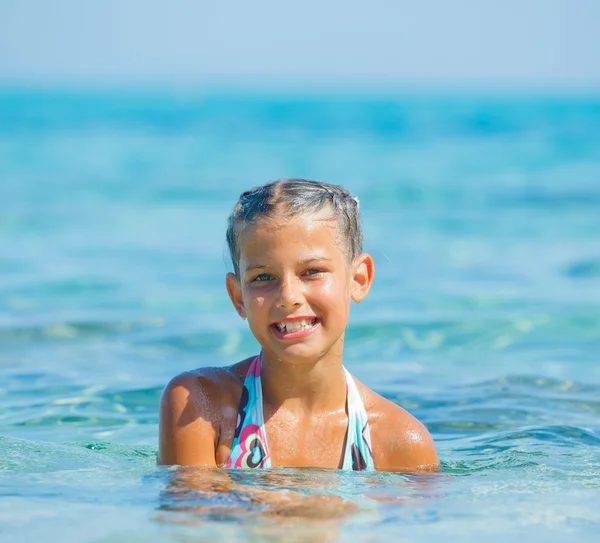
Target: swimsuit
250, 449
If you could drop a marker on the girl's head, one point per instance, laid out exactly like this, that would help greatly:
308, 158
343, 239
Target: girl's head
296, 248
287, 198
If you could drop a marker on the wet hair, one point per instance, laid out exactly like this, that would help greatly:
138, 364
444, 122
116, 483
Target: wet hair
287, 198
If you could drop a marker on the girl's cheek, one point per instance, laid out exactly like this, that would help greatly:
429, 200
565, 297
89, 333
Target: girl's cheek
328, 285
253, 296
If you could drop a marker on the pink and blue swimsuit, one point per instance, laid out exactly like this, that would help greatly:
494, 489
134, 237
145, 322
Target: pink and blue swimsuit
250, 448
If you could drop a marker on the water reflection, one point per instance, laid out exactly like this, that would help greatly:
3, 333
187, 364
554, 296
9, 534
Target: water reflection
288, 504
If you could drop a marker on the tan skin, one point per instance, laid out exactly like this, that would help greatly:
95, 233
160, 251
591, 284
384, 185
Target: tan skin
291, 268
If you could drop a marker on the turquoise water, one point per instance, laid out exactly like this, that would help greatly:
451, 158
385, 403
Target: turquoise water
483, 216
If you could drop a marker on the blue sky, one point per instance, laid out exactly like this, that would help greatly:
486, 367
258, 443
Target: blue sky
551, 44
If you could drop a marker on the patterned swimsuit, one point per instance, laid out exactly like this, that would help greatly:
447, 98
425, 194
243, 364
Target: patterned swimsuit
250, 449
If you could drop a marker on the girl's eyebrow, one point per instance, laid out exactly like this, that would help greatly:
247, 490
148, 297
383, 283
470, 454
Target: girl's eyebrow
304, 261
254, 267
315, 258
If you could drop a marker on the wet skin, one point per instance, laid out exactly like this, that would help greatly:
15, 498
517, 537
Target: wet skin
295, 288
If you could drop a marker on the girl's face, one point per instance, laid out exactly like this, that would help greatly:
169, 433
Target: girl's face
295, 286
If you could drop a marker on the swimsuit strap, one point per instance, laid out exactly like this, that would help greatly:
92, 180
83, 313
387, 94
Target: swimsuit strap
250, 449
357, 454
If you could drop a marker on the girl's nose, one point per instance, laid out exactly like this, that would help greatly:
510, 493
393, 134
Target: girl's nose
290, 293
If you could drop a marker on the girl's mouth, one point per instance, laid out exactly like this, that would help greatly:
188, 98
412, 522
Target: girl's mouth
295, 328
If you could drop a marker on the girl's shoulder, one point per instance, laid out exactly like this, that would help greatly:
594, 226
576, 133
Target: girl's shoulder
195, 407
399, 441
206, 382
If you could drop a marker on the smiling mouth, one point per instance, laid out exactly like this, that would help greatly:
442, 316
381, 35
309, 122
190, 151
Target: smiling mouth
295, 326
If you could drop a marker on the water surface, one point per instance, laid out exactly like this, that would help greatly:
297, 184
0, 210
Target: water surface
483, 216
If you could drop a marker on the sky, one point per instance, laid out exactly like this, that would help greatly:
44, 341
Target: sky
548, 44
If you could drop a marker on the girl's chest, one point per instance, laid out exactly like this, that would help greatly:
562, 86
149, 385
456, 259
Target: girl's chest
316, 441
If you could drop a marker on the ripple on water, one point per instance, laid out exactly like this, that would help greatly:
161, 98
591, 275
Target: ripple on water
81, 330
515, 422
391, 337
23, 455
566, 436
49, 405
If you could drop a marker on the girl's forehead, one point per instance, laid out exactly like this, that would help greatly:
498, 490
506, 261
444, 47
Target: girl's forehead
302, 231
306, 223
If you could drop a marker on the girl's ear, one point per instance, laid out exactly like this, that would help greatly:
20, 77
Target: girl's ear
234, 290
363, 273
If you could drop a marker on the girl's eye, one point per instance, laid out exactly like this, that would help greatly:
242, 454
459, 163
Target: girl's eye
262, 278
313, 271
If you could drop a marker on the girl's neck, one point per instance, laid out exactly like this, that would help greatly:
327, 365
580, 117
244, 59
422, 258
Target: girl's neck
306, 388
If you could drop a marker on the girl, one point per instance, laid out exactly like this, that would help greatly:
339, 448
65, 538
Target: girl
296, 248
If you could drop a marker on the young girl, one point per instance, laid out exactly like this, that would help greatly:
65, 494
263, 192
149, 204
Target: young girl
296, 248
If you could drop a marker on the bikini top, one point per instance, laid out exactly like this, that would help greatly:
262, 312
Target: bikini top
250, 448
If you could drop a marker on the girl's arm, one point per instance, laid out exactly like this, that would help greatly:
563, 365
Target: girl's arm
187, 434
405, 444
412, 449
400, 442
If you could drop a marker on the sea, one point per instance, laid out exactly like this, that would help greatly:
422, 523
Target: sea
482, 213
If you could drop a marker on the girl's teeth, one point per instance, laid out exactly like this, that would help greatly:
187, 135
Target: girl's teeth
294, 326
